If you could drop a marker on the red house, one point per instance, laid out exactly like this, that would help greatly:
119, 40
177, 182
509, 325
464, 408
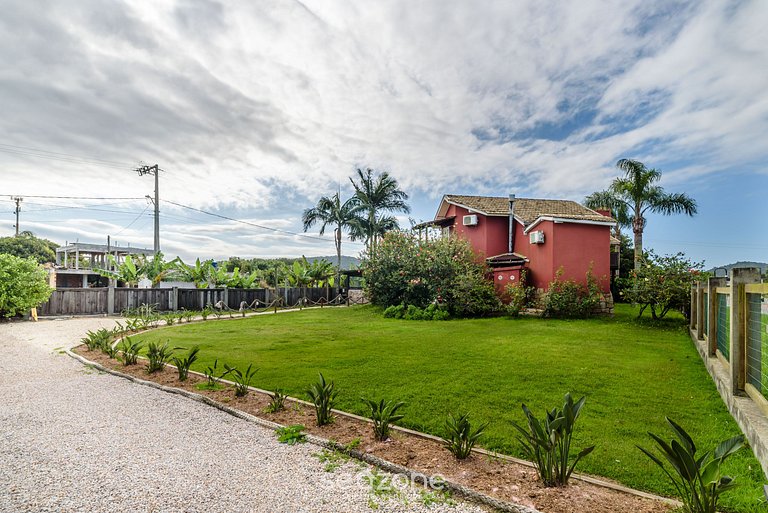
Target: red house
539, 235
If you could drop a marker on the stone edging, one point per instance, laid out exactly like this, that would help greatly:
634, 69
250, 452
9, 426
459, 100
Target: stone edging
456, 488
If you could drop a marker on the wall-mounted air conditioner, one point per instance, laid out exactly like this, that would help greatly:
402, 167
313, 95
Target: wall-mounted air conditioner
536, 237
470, 220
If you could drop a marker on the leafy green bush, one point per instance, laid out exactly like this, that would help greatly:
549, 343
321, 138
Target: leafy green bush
183, 364
518, 295
698, 478
242, 379
383, 414
158, 356
130, 351
276, 401
547, 442
461, 437
419, 273
662, 283
323, 395
95, 339
395, 311
570, 299
23, 285
433, 312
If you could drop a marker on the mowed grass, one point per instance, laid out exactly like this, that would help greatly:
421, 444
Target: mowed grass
632, 373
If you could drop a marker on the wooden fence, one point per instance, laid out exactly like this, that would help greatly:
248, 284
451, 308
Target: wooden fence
114, 300
729, 323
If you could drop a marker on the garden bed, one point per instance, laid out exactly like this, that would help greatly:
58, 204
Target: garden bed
494, 476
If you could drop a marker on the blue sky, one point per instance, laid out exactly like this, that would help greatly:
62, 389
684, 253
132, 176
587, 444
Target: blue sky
256, 109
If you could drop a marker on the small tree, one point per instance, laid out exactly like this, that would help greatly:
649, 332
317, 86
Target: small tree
663, 283
23, 285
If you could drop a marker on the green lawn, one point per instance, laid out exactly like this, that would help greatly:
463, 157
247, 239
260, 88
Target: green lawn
633, 374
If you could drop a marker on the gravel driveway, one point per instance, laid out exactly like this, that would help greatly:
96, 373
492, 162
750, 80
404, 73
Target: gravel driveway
72, 439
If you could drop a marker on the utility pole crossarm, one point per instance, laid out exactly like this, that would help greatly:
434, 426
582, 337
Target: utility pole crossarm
154, 170
18, 200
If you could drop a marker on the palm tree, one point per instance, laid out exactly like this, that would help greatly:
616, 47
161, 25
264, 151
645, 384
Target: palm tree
630, 197
331, 211
378, 194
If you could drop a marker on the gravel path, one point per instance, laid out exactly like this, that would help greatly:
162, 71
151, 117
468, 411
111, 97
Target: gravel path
75, 440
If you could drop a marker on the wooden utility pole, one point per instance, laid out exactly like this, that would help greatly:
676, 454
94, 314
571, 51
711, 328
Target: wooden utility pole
154, 170
18, 200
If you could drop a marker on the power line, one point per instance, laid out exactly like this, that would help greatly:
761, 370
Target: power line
62, 157
83, 197
131, 223
278, 230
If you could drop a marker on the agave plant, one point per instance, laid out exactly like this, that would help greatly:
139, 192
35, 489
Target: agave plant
383, 414
547, 442
698, 478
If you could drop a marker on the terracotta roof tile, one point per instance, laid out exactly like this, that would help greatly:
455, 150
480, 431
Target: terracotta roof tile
527, 210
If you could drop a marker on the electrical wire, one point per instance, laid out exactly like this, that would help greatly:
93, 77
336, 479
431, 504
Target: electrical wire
25, 151
131, 223
78, 197
278, 230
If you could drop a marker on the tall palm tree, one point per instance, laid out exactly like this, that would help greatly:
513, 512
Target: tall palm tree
378, 194
331, 211
630, 197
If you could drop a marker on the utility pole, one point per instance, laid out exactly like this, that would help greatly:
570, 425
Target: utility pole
18, 200
154, 170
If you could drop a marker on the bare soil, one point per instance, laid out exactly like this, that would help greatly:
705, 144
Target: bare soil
495, 477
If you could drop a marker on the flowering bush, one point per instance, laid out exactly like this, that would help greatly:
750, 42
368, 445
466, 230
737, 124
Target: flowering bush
663, 283
446, 271
570, 299
518, 295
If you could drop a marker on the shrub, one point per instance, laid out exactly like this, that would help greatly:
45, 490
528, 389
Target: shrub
383, 414
95, 339
418, 273
662, 284
130, 351
462, 437
276, 401
242, 379
547, 442
323, 394
23, 285
698, 478
183, 364
395, 311
158, 356
569, 299
518, 295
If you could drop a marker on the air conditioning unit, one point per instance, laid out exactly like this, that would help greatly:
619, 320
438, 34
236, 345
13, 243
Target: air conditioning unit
470, 220
536, 237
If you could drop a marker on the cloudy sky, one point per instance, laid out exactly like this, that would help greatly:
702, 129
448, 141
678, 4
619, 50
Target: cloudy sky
254, 109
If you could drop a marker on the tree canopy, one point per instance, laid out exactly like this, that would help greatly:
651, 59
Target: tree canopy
27, 245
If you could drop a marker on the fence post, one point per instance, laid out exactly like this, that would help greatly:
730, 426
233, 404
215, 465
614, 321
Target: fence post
175, 298
700, 310
739, 278
225, 296
712, 285
694, 302
110, 300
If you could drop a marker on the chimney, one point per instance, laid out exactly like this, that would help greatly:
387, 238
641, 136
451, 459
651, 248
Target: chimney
511, 223
603, 211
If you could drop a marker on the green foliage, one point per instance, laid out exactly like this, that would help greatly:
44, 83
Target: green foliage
213, 379
242, 379
698, 478
570, 299
461, 437
518, 295
663, 283
418, 273
184, 363
96, 339
323, 394
158, 356
547, 442
383, 414
26, 245
433, 312
291, 435
169, 318
332, 459
130, 351
23, 285
105, 344
276, 401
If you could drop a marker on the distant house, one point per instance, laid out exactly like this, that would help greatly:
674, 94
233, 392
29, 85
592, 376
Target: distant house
539, 235
76, 263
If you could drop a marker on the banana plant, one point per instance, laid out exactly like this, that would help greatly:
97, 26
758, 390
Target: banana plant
200, 273
698, 478
127, 271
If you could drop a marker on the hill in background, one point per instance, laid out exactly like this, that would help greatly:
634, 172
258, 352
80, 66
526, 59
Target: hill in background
347, 262
763, 266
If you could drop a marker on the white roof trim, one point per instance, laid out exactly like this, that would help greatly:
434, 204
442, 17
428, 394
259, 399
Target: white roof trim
566, 220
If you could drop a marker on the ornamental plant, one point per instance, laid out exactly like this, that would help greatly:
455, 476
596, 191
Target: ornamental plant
323, 395
461, 437
23, 285
383, 414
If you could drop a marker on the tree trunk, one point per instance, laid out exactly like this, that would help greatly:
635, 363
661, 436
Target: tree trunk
637, 228
338, 260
